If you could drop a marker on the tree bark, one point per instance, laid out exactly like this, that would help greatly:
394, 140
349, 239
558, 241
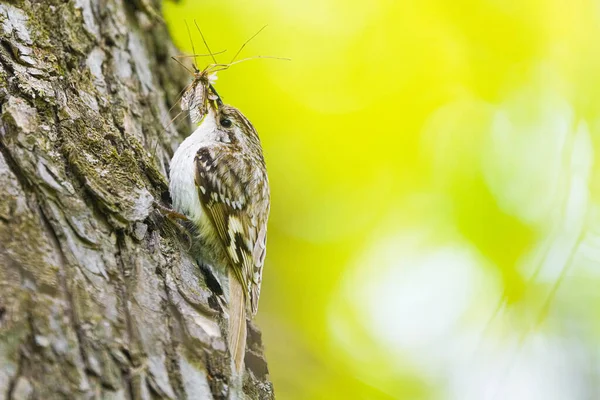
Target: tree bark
98, 296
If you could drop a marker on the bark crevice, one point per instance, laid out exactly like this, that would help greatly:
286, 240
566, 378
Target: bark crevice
62, 276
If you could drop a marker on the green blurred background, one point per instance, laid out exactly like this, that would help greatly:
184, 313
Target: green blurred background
435, 229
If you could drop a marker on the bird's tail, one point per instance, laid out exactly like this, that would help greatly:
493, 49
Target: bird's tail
237, 322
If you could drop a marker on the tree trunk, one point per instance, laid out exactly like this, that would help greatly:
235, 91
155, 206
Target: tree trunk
98, 296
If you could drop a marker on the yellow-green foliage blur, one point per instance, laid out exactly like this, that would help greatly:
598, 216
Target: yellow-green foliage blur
435, 225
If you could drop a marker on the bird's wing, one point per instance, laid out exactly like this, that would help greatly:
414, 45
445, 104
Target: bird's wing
235, 194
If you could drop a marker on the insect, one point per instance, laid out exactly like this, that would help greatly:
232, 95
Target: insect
200, 92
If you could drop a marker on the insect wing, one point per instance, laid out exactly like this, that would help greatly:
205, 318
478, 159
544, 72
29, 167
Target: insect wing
195, 100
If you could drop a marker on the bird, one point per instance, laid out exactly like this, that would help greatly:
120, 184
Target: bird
219, 183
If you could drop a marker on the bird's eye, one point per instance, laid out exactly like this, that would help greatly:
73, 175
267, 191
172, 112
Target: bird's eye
226, 122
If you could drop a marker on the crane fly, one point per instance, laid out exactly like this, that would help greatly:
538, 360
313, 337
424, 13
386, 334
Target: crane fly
198, 95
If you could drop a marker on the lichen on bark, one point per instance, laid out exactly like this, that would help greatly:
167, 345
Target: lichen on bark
98, 296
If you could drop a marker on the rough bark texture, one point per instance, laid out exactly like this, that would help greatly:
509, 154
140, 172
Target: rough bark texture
98, 296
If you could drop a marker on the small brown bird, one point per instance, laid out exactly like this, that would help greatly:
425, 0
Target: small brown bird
218, 180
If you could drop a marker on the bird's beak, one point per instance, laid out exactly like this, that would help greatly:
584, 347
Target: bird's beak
218, 100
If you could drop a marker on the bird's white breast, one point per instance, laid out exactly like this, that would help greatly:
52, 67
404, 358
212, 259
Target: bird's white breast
182, 185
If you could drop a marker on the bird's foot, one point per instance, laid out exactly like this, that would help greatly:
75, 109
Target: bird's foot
169, 212
174, 216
